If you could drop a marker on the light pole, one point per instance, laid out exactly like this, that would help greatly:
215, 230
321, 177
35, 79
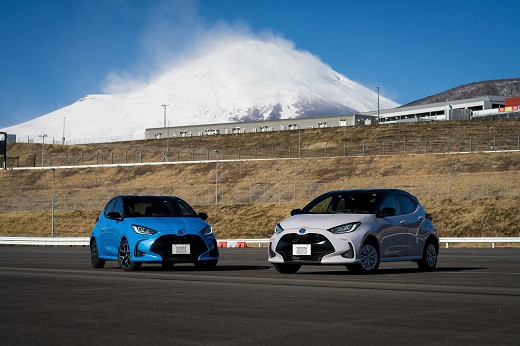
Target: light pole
43, 144
378, 89
164, 106
63, 137
216, 179
52, 202
299, 139
168, 137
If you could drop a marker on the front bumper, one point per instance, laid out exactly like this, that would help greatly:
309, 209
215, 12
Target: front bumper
159, 249
325, 248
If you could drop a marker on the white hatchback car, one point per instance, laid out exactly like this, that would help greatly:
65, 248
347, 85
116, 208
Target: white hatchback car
358, 229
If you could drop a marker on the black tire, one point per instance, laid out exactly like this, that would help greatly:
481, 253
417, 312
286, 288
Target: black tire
167, 265
428, 262
370, 259
205, 265
94, 255
123, 256
286, 268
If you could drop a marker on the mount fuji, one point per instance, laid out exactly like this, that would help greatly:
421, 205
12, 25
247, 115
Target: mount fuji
237, 81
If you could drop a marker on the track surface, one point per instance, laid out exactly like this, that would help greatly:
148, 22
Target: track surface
53, 296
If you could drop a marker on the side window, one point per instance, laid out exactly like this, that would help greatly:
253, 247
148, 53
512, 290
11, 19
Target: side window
110, 206
119, 206
390, 202
406, 204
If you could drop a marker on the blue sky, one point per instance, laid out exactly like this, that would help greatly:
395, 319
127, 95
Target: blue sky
56, 51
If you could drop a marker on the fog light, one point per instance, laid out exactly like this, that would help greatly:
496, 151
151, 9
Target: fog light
271, 252
137, 252
349, 253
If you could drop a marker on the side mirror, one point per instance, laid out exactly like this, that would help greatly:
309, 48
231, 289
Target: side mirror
296, 212
114, 215
203, 216
386, 212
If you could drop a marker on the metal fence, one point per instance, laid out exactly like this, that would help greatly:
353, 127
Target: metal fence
118, 153
461, 186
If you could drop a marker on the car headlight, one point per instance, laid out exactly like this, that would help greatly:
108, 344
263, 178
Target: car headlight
143, 230
278, 229
346, 228
207, 230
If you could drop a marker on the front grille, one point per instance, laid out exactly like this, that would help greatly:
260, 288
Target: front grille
320, 246
163, 247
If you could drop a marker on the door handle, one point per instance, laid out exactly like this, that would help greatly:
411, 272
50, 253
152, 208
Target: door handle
421, 218
402, 222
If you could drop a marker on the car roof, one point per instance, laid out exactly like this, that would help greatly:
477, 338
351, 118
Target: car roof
147, 196
371, 191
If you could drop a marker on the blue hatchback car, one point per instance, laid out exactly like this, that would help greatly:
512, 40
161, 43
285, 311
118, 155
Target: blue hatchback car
135, 229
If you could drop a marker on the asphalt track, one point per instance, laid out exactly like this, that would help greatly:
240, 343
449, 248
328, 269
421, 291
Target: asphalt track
51, 295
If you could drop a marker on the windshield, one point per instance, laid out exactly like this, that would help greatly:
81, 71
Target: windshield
360, 202
161, 206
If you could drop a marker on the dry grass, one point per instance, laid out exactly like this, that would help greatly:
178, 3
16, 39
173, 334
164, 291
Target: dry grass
435, 133
458, 181
465, 217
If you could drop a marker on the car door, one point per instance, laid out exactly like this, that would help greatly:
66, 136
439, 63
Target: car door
392, 242
411, 220
114, 231
104, 229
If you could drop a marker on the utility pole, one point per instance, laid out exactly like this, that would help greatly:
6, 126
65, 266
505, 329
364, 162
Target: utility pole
63, 137
168, 137
43, 144
299, 139
378, 89
52, 202
164, 106
216, 179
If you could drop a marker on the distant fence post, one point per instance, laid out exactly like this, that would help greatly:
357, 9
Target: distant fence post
470, 144
97, 158
344, 148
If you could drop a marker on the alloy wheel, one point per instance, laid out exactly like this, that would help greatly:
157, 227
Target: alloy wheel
124, 255
431, 255
368, 257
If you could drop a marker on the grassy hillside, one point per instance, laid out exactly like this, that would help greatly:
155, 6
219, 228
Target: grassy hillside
472, 194
378, 139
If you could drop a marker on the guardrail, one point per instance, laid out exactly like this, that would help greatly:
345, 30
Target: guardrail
45, 241
84, 241
480, 240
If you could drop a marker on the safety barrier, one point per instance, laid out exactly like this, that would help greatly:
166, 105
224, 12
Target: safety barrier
84, 241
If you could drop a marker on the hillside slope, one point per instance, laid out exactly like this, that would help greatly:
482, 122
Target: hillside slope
500, 87
469, 194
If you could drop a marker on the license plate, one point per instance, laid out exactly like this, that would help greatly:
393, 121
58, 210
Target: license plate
181, 249
301, 249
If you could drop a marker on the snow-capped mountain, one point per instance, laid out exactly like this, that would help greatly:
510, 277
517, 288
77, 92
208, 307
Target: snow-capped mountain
239, 81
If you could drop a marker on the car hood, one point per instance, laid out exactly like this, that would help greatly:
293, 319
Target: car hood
319, 221
169, 223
